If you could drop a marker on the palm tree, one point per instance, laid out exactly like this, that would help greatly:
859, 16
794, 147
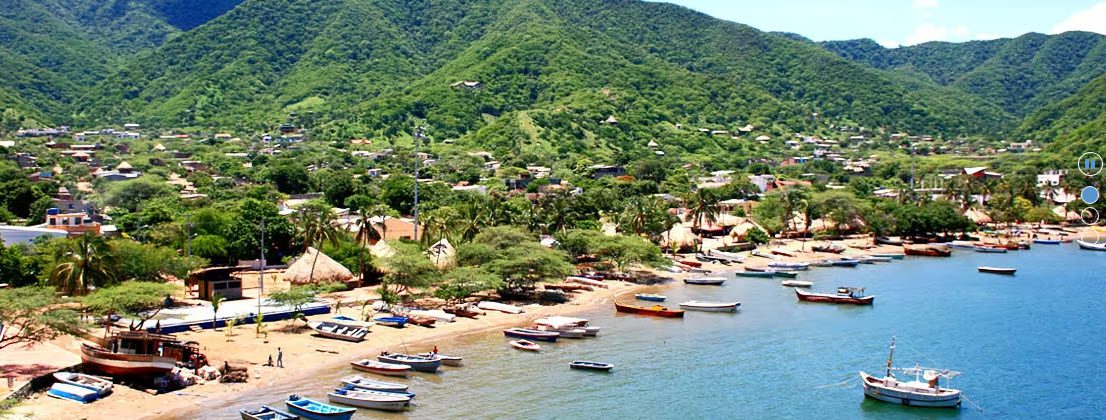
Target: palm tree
216, 300
472, 217
83, 263
702, 206
317, 226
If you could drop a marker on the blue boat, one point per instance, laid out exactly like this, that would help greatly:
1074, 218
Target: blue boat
391, 321
73, 393
314, 410
1046, 241
845, 262
418, 364
650, 297
265, 413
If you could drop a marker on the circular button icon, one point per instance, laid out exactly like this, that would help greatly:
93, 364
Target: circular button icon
1091, 236
1089, 195
1090, 164
1089, 216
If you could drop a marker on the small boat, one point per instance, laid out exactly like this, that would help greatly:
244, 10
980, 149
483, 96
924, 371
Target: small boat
102, 386
997, 270
422, 321
1090, 246
789, 265
404, 394
731, 256
345, 320
465, 311
845, 295
877, 258
928, 250
586, 281
763, 255
891, 256
1047, 241
711, 259
499, 307
418, 364
846, 262
709, 281
650, 297
822, 263
655, 310
338, 331
369, 399
990, 249
525, 345
695, 305
391, 321
387, 369
759, 274
829, 248
796, 283
690, 263
783, 252
585, 365
73, 393
314, 410
883, 240
865, 260
436, 314
784, 274
915, 393
529, 334
361, 382
446, 359
266, 413
569, 327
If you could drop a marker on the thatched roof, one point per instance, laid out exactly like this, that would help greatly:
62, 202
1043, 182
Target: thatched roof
739, 230
381, 249
442, 253
978, 216
326, 269
681, 237
1069, 216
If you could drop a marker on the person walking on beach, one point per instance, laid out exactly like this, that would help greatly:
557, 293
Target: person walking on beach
280, 358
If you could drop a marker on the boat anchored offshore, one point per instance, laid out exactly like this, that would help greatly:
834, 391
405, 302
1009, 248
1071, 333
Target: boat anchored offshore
710, 281
997, 270
927, 393
846, 295
696, 305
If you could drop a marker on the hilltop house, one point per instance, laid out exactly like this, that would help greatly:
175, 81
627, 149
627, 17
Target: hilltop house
74, 224
122, 172
601, 171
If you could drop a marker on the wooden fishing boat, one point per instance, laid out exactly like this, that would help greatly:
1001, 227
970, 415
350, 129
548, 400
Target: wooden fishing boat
796, 283
829, 248
782, 252
140, 353
1090, 246
783, 273
315, 410
418, 364
758, 274
927, 250
345, 320
361, 382
102, 386
338, 331
844, 295
266, 413
422, 321
655, 310
367, 399
997, 270
709, 281
781, 265
822, 263
846, 262
1047, 241
387, 369
391, 321
695, 305
690, 263
990, 249
436, 314
525, 345
446, 359
731, 256
73, 393
891, 256
499, 307
883, 240
919, 393
650, 297
529, 334
586, 365
464, 312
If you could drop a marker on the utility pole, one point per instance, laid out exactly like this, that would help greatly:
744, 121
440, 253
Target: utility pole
912, 165
261, 274
419, 137
188, 238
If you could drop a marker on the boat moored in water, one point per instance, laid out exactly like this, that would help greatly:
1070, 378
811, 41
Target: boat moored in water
844, 295
709, 281
759, 274
796, 283
586, 365
265, 413
525, 345
418, 364
997, 270
529, 334
375, 400
650, 297
655, 310
447, 360
315, 410
927, 250
695, 305
1090, 246
361, 382
919, 393
387, 369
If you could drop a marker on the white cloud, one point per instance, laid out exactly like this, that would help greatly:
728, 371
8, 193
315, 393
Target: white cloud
961, 31
888, 44
1091, 20
927, 32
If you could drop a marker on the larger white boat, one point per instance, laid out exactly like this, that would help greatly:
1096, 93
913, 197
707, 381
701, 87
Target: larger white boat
924, 391
696, 305
501, 307
728, 256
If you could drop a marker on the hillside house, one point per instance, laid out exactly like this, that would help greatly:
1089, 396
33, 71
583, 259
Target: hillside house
601, 171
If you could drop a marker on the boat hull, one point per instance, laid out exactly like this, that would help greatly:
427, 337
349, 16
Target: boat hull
731, 307
398, 371
997, 270
873, 388
757, 274
532, 335
311, 412
446, 360
651, 298
596, 366
651, 311
417, 364
838, 299
388, 404
266, 413
116, 364
705, 281
72, 393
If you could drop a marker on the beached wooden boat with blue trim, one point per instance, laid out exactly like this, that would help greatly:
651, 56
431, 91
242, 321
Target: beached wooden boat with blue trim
73, 393
315, 410
266, 413
102, 386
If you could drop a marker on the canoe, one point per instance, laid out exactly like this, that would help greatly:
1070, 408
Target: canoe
586, 281
655, 310
446, 360
846, 262
997, 270
338, 331
370, 400
990, 249
891, 256
789, 265
500, 307
387, 369
525, 345
695, 305
436, 314
760, 274
266, 413
650, 297
796, 283
102, 386
1047, 241
418, 364
315, 410
422, 321
710, 281
586, 365
844, 298
361, 382
1090, 246
73, 393
529, 334
391, 321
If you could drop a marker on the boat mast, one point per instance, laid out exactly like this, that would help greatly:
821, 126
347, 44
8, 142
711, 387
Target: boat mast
890, 357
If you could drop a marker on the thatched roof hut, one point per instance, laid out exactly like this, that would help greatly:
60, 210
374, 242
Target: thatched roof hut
741, 229
1068, 216
978, 216
381, 249
326, 269
679, 237
442, 253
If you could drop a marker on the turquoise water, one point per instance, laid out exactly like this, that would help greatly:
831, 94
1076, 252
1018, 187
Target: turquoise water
1030, 346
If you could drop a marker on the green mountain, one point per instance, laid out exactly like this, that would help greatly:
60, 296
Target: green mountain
1076, 124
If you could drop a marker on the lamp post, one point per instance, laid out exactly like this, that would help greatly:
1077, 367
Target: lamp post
419, 138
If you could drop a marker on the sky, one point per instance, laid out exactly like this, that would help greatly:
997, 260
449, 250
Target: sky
909, 22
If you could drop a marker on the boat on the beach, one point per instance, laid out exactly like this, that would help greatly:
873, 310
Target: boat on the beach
695, 305
73, 393
568, 327
387, 369
962, 245
391, 321
990, 249
447, 360
345, 320
499, 307
529, 334
709, 281
690, 263
883, 240
586, 281
422, 321
919, 393
140, 353
711, 259
731, 256
655, 310
315, 410
844, 295
650, 297
782, 252
102, 386
997, 270
436, 314
927, 250
368, 399
338, 331
763, 255
1047, 241
525, 345
464, 311
829, 248
800, 266
796, 283
758, 274
586, 365
418, 364
891, 256
1090, 246
266, 413
361, 382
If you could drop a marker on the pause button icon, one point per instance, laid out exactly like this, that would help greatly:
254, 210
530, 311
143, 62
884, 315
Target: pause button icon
1090, 164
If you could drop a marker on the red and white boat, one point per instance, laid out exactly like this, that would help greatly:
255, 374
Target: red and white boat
927, 393
381, 368
140, 353
844, 295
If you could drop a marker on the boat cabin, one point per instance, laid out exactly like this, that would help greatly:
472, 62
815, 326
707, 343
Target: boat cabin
853, 292
147, 343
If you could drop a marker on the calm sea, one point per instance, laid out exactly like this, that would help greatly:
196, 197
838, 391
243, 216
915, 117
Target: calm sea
1029, 346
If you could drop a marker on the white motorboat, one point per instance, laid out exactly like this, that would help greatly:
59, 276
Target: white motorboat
695, 305
369, 399
437, 314
500, 307
361, 382
796, 283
